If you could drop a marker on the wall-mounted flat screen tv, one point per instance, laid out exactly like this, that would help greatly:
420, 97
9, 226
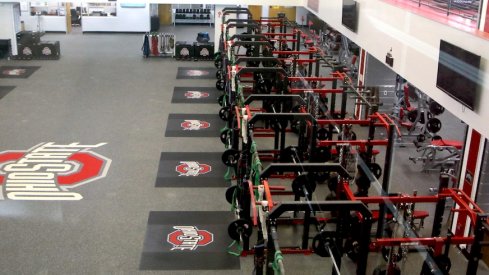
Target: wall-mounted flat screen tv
349, 16
458, 73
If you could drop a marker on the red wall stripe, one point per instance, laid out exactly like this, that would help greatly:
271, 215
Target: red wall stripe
468, 177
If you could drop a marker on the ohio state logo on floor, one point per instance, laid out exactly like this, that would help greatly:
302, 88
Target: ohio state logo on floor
193, 124
189, 238
196, 94
192, 168
50, 171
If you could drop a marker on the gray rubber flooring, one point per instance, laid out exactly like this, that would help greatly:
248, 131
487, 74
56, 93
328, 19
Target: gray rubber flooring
102, 90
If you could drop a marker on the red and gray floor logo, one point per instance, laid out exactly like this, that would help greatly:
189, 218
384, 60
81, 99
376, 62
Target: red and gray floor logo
189, 238
192, 168
49, 171
193, 124
196, 94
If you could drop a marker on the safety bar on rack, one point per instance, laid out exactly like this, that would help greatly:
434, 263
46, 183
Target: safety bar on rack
278, 34
281, 116
465, 203
244, 70
259, 59
241, 25
240, 21
248, 36
311, 50
316, 90
274, 168
274, 97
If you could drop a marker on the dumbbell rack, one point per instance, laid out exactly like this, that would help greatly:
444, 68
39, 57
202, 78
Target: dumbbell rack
192, 16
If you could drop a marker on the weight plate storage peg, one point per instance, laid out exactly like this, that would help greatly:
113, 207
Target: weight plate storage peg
220, 85
301, 182
230, 157
230, 193
433, 125
238, 228
224, 113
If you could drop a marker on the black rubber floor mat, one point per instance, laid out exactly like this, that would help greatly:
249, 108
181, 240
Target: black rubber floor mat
196, 73
4, 90
194, 125
184, 169
195, 95
17, 71
193, 240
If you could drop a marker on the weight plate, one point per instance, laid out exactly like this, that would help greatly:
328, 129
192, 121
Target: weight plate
218, 63
435, 108
433, 125
224, 136
224, 113
322, 134
230, 193
288, 154
230, 157
219, 74
321, 242
352, 249
412, 115
437, 137
296, 126
321, 154
301, 182
376, 169
220, 100
444, 263
240, 228
220, 85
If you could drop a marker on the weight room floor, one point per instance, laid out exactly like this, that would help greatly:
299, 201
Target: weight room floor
102, 90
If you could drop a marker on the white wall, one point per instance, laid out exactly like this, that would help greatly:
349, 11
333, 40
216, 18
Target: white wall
299, 13
127, 20
48, 23
218, 23
8, 25
415, 42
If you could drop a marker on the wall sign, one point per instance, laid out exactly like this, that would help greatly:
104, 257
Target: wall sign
49, 171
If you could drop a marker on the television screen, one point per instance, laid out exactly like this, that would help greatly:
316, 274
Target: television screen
349, 17
458, 73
